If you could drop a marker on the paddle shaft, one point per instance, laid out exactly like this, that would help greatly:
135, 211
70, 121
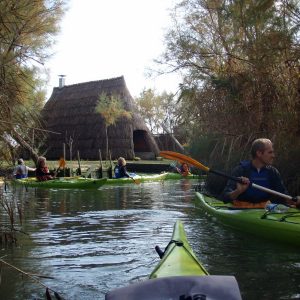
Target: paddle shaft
254, 185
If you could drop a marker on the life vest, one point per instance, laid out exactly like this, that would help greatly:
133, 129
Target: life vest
120, 172
185, 173
246, 204
20, 176
42, 174
21, 172
117, 171
262, 178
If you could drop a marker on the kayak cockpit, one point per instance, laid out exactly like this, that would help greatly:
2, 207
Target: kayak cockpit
180, 287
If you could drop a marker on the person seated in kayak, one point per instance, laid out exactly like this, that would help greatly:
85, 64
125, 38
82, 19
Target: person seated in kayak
184, 169
120, 169
21, 171
42, 172
258, 170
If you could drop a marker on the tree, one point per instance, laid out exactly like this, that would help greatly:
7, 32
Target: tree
158, 110
149, 106
27, 28
111, 110
161, 113
238, 59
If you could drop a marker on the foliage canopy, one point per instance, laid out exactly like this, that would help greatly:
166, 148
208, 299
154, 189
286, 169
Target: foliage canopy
240, 66
27, 28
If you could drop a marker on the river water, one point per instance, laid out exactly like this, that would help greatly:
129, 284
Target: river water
90, 242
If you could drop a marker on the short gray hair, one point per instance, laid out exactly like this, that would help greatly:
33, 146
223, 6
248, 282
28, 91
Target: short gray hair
259, 145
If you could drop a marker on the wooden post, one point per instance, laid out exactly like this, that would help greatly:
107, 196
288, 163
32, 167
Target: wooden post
100, 158
111, 166
71, 158
71, 147
101, 167
64, 154
78, 159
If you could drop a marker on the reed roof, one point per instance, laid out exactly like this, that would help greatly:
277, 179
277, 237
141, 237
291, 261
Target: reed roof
71, 112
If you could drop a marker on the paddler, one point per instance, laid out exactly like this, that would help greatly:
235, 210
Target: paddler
42, 171
21, 170
120, 169
184, 169
258, 170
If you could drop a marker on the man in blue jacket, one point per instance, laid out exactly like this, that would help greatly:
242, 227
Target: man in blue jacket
258, 170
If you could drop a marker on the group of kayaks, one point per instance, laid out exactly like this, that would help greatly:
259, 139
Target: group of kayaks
91, 183
179, 274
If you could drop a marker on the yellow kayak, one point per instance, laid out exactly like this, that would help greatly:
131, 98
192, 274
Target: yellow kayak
178, 259
179, 275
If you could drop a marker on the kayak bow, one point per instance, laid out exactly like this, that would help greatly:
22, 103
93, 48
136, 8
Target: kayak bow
178, 259
179, 275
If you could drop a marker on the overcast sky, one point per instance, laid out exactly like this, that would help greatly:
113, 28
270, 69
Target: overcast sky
102, 39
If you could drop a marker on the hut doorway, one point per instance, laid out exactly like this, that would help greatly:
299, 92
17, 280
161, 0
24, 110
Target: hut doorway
141, 144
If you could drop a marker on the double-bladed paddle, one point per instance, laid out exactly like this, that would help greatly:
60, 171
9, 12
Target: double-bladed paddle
183, 158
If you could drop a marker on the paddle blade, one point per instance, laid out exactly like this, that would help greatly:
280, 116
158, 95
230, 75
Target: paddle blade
183, 158
172, 158
136, 181
62, 163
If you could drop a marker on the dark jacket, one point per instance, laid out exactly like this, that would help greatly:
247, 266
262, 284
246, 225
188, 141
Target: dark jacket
268, 177
120, 171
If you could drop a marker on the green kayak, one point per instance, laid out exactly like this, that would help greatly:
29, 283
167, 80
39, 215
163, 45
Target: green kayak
62, 183
177, 176
155, 177
178, 259
280, 227
179, 275
136, 179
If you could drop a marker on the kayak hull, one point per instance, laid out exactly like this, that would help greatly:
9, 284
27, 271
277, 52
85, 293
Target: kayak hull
137, 178
279, 227
62, 183
178, 258
149, 178
177, 176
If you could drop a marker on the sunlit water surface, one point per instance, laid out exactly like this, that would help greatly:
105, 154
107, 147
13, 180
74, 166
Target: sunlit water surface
93, 241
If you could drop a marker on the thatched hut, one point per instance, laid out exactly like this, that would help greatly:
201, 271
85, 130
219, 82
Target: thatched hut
71, 112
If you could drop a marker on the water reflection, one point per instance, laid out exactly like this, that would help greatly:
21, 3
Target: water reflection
93, 241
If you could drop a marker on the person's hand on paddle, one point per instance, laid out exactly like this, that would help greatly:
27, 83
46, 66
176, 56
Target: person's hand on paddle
242, 186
